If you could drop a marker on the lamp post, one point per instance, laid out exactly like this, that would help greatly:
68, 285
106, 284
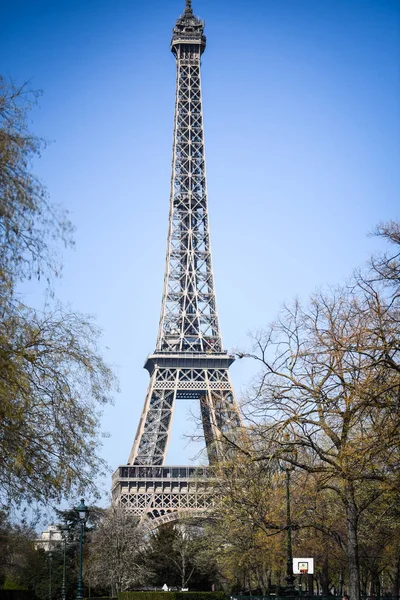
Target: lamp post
82, 511
289, 550
64, 531
50, 574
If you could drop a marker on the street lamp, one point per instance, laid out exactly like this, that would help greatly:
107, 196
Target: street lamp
64, 532
82, 511
50, 556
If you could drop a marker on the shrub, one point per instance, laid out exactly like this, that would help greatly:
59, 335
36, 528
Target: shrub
16, 594
171, 596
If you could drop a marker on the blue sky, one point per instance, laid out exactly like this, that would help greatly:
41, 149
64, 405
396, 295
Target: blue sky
302, 124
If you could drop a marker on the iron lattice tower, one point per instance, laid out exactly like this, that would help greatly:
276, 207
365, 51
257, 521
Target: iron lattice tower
189, 361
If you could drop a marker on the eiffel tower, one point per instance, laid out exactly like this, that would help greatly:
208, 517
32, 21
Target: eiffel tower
189, 362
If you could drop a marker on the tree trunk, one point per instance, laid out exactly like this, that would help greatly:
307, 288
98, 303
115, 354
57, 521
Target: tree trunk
341, 582
375, 583
396, 576
183, 572
310, 585
352, 545
396, 573
325, 576
261, 579
364, 582
269, 582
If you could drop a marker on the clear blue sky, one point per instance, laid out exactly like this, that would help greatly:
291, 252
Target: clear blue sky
302, 119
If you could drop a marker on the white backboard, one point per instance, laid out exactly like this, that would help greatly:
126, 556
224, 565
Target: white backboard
303, 563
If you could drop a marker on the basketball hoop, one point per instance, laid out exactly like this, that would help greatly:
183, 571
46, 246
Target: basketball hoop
303, 566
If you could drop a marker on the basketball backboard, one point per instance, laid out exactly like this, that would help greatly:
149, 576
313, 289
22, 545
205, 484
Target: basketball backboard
303, 565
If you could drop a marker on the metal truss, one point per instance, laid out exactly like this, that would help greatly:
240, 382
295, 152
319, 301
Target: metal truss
160, 495
189, 319
219, 411
189, 361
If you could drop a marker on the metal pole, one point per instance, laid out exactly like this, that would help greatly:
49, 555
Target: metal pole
289, 551
63, 575
79, 594
50, 576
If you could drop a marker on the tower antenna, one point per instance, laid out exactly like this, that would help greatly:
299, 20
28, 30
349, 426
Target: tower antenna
188, 8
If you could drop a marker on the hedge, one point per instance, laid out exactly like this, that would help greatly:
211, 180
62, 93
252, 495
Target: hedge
146, 596
200, 596
100, 598
16, 595
171, 596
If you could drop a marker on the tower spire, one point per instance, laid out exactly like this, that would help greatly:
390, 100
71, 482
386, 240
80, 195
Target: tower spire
188, 29
189, 362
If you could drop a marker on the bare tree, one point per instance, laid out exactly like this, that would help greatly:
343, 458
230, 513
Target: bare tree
53, 380
115, 551
327, 402
30, 225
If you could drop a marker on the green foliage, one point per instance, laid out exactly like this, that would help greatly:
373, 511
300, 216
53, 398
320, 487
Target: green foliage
101, 598
176, 556
71, 518
52, 382
10, 584
146, 596
200, 596
23, 567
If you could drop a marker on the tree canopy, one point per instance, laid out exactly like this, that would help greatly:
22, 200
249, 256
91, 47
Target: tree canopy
53, 379
30, 225
326, 401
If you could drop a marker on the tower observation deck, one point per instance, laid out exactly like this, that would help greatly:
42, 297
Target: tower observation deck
189, 361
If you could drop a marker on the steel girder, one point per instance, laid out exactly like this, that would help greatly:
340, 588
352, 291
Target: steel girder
219, 411
189, 318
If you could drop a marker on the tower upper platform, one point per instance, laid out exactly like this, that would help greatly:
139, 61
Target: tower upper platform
188, 30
